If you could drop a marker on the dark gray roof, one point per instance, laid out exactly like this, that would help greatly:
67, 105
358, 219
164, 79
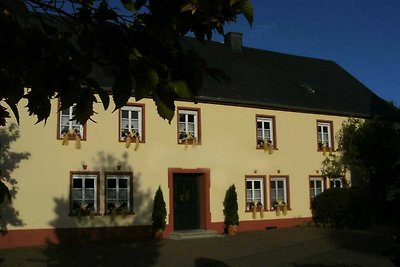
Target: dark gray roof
281, 81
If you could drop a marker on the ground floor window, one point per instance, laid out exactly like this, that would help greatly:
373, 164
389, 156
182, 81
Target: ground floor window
316, 186
336, 182
279, 191
118, 192
254, 192
84, 193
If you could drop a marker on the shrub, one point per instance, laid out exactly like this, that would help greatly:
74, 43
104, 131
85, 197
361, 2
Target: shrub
231, 207
343, 208
159, 216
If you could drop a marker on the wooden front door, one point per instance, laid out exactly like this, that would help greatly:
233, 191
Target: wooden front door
186, 201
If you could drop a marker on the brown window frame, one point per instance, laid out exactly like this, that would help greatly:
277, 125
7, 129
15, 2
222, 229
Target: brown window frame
274, 138
331, 137
130, 183
324, 182
271, 177
199, 137
142, 138
97, 193
70, 137
264, 179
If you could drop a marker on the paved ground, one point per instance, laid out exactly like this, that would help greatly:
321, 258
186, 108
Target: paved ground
298, 246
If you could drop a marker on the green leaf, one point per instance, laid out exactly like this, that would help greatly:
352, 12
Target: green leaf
165, 110
129, 5
14, 109
180, 88
153, 77
4, 192
17, 7
3, 115
139, 4
103, 94
122, 90
247, 10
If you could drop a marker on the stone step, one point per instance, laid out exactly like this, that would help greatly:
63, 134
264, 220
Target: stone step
192, 234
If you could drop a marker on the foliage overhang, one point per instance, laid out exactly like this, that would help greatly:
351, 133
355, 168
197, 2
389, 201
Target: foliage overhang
53, 48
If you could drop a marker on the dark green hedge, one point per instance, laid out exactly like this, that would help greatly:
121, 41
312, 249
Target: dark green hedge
343, 208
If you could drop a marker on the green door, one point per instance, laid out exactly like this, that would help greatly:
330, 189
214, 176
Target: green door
186, 202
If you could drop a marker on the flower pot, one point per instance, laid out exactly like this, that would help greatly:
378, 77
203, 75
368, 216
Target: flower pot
158, 234
232, 229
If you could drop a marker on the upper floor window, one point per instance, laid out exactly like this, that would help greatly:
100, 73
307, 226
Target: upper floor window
131, 123
254, 192
189, 126
316, 186
84, 193
68, 126
266, 132
324, 135
118, 193
279, 191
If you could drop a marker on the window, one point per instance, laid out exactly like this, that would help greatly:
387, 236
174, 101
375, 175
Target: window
131, 122
84, 193
188, 126
316, 186
118, 193
67, 125
279, 190
265, 131
254, 191
336, 182
324, 134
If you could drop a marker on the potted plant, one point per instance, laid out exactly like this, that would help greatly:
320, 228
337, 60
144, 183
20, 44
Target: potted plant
260, 208
231, 210
159, 215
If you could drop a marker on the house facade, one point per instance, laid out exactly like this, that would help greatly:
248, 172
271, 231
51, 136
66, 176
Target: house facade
268, 136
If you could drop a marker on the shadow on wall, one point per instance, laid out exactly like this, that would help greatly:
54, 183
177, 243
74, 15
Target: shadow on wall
9, 161
80, 229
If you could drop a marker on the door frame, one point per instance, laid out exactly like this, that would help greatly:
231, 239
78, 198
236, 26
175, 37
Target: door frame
204, 191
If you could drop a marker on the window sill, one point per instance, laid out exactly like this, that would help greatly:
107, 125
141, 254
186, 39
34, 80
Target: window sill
257, 210
119, 214
261, 148
189, 142
84, 215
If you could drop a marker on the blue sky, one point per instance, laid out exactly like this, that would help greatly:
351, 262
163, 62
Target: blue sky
363, 36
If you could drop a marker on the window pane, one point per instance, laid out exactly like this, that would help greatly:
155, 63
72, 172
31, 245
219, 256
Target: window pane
190, 127
123, 194
89, 194
135, 125
76, 194
125, 114
134, 115
111, 183
111, 194
89, 183
248, 184
182, 118
257, 184
77, 183
182, 127
123, 183
249, 194
259, 124
190, 118
280, 184
257, 194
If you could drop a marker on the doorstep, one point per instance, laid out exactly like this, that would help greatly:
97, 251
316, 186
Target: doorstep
193, 234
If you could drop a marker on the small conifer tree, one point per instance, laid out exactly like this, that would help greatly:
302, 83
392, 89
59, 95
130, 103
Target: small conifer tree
231, 206
158, 218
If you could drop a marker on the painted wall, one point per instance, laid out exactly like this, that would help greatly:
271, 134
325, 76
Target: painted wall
228, 149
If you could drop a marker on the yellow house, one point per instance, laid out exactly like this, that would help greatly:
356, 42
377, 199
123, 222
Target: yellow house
266, 131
